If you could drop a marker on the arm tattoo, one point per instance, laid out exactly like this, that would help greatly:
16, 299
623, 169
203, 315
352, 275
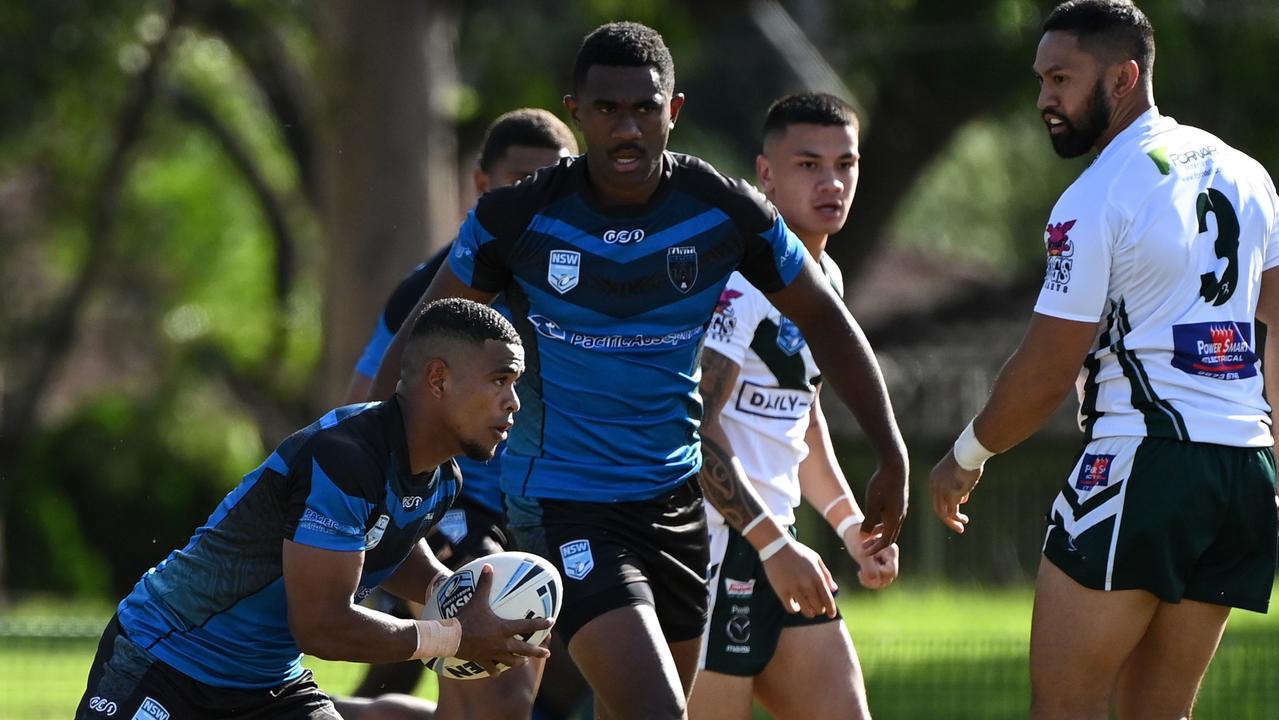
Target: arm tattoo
723, 483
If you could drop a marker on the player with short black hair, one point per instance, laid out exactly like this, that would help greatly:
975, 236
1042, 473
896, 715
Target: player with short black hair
516, 144
612, 263
764, 432
1162, 255
219, 627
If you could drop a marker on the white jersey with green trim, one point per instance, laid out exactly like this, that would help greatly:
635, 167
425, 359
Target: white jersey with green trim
1163, 240
766, 415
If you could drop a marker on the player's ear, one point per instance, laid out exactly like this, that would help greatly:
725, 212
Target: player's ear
677, 102
437, 376
1125, 77
570, 104
482, 181
764, 171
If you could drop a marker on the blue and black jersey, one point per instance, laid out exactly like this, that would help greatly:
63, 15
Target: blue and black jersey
612, 304
216, 609
481, 485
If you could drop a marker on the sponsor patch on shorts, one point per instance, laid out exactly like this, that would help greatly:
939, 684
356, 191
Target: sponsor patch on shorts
1094, 471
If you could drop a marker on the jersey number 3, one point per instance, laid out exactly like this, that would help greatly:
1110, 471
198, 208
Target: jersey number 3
1213, 288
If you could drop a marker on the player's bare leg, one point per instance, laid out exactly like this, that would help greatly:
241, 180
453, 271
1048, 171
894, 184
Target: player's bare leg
814, 673
627, 662
1079, 640
1162, 675
509, 695
719, 696
686, 654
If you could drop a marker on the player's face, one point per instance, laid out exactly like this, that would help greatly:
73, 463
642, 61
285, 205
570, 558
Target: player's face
625, 117
517, 163
810, 174
483, 402
1072, 96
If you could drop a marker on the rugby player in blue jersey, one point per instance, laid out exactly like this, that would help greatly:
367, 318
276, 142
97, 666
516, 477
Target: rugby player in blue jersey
612, 264
515, 145
219, 627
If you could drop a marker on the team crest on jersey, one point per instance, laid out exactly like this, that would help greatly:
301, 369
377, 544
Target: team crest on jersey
453, 525
578, 561
1094, 471
789, 338
151, 710
1218, 350
374, 535
724, 321
564, 270
1060, 251
681, 267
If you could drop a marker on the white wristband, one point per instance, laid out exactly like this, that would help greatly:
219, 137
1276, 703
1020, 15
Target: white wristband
771, 549
755, 523
970, 454
848, 522
833, 504
437, 638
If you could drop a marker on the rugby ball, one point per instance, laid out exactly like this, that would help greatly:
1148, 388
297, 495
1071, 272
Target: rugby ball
524, 586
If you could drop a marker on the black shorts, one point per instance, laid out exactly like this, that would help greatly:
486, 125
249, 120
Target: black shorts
126, 682
466, 532
613, 555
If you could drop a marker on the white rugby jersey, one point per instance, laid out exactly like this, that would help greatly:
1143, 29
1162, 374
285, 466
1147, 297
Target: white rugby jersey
1164, 239
766, 415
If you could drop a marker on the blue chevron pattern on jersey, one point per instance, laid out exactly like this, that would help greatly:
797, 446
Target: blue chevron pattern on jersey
216, 609
612, 307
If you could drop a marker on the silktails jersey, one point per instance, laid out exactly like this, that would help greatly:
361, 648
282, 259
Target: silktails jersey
1163, 240
481, 486
216, 609
612, 305
766, 416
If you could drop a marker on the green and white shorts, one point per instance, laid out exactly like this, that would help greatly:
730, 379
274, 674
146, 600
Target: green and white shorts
1177, 519
746, 618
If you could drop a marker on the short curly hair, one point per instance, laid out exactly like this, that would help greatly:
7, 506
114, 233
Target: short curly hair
625, 44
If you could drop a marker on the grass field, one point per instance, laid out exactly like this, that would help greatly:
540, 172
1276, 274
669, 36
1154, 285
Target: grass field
954, 654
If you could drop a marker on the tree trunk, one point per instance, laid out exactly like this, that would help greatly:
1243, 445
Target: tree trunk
388, 163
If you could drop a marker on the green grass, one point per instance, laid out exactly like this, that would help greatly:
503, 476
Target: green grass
936, 653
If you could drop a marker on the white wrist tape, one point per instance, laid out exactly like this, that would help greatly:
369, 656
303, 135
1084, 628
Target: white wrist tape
771, 549
437, 638
848, 522
970, 454
833, 504
755, 523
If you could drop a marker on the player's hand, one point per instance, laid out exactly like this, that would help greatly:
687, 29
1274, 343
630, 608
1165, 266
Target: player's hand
801, 580
490, 641
951, 487
874, 570
887, 495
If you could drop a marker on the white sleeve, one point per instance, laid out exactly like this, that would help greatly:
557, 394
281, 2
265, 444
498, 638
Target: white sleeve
739, 311
1078, 240
1272, 242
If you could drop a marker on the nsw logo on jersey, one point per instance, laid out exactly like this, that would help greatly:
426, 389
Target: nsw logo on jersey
1218, 350
681, 267
564, 270
374, 535
789, 339
1094, 471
